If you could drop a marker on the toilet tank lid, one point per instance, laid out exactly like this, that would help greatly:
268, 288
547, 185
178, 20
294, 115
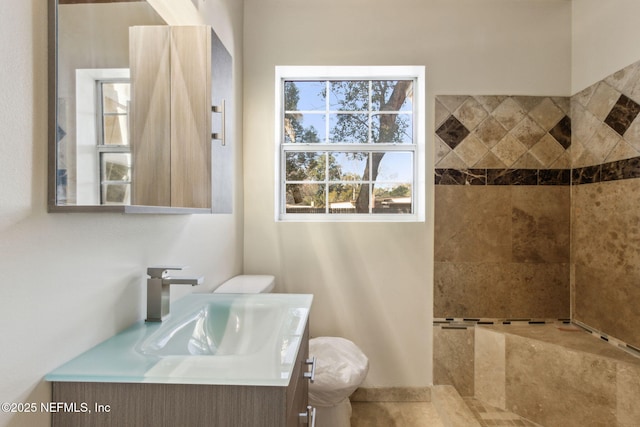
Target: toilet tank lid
247, 284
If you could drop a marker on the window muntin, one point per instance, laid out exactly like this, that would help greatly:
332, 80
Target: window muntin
350, 147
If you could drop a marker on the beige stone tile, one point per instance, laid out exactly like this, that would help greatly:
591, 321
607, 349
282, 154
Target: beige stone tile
632, 135
509, 150
451, 102
490, 161
490, 102
606, 291
628, 393
551, 386
620, 79
452, 409
564, 103
471, 150
562, 162
602, 142
528, 132
394, 414
472, 223
501, 290
584, 96
490, 132
489, 368
602, 100
547, 114
472, 290
509, 113
470, 113
441, 113
538, 290
547, 150
441, 150
584, 124
541, 221
622, 150
453, 358
392, 394
632, 88
452, 161
528, 102
528, 161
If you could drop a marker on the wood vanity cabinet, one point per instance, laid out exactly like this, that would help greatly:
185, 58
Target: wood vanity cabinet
170, 405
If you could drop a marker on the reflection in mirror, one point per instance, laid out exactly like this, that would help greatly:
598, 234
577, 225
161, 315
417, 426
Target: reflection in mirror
92, 153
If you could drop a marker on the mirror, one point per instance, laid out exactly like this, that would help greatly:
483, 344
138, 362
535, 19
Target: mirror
90, 154
102, 151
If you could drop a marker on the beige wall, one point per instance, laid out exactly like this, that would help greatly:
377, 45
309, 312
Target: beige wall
70, 281
373, 283
604, 39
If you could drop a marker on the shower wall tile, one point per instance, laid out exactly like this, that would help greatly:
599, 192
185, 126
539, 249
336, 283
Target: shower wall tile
501, 290
526, 132
605, 119
472, 223
501, 251
606, 254
540, 224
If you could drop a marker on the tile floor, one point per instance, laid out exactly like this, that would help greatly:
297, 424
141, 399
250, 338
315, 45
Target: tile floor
394, 414
489, 416
419, 414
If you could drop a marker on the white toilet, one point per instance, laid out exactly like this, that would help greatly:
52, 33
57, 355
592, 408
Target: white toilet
340, 367
247, 284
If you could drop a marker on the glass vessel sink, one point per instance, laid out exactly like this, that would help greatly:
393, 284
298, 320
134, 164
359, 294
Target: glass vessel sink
219, 328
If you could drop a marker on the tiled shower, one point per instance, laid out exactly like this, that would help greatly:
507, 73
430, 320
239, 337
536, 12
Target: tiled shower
536, 216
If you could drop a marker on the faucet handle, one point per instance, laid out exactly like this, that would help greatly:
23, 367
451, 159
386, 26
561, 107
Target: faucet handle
158, 272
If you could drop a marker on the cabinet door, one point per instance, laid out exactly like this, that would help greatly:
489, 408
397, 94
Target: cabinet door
171, 115
150, 62
191, 117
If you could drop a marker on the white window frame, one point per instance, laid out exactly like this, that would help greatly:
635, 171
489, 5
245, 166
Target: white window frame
313, 73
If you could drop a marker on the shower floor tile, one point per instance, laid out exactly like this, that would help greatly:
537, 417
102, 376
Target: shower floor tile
489, 416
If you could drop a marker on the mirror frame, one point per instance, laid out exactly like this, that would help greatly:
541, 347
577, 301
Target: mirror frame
52, 157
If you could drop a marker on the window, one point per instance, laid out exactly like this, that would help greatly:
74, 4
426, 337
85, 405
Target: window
114, 151
350, 143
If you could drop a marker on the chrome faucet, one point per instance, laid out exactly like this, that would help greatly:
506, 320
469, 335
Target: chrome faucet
158, 286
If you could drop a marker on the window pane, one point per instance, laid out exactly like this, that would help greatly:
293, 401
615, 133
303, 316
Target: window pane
116, 166
395, 167
304, 128
116, 130
305, 198
349, 95
348, 166
392, 199
349, 128
396, 128
383, 97
305, 96
343, 197
115, 98
116, 194
305, 166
